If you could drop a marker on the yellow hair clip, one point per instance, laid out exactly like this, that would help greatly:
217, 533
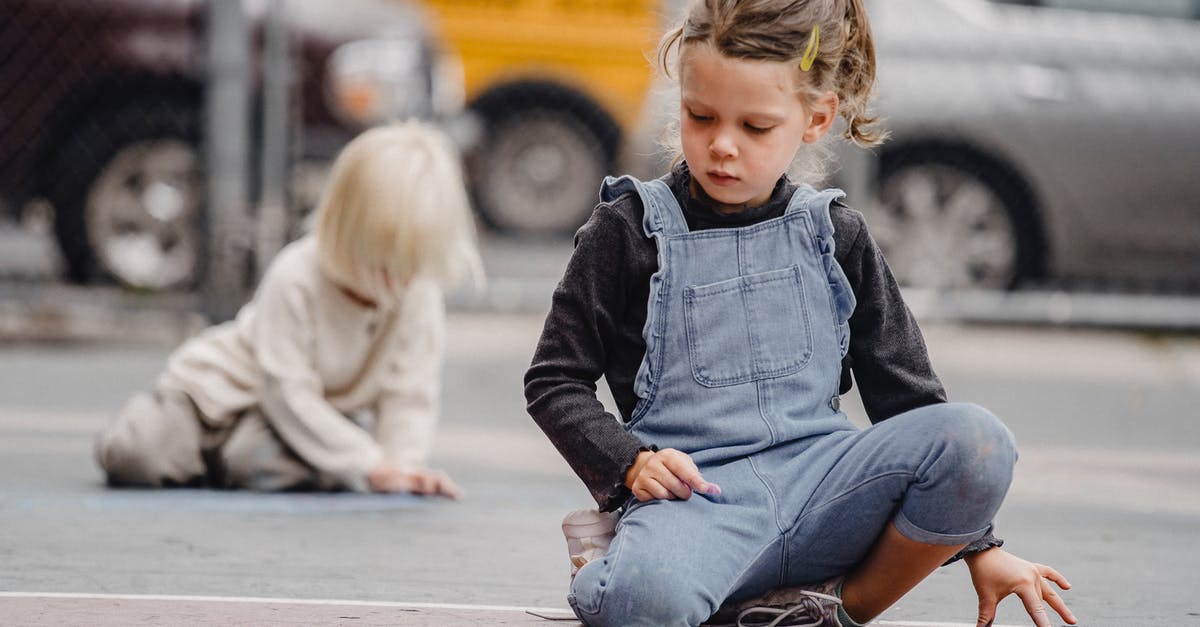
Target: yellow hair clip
810, 53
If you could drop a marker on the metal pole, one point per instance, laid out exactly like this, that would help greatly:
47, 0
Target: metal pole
227, 141
272, 213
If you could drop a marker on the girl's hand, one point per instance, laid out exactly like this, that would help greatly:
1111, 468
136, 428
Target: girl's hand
666, 474
389, 477
997, 574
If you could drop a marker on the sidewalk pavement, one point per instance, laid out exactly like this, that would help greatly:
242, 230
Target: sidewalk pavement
34, 306
522, 275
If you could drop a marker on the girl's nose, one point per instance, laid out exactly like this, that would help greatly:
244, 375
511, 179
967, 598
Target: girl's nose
722, 145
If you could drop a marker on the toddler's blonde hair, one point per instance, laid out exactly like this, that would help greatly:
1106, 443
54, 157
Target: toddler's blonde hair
395, 209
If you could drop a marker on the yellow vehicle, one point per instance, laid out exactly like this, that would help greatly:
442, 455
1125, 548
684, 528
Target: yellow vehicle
557, 84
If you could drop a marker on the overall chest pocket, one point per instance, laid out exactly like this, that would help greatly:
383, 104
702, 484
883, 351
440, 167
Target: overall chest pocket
749, 328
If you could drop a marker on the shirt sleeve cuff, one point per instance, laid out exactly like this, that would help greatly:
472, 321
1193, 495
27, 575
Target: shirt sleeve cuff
357, 480
618, 494
988, 541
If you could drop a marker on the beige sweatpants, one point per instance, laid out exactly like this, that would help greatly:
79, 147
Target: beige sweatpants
160, 439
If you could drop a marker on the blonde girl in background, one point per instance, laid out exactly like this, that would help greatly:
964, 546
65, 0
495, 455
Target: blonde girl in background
329, 378
729, 306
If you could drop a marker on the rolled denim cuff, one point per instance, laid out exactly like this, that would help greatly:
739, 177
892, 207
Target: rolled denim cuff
913, 532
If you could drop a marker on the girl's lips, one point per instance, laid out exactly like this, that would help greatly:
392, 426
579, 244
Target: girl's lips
722, 179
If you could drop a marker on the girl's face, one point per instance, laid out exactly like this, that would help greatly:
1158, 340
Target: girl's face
741, 123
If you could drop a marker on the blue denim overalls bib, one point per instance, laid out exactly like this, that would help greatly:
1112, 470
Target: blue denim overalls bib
745, 332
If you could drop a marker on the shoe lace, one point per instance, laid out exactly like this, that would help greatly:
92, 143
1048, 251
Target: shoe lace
811, 607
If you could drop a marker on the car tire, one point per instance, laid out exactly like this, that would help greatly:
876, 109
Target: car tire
537, 170
949, 222
128, 198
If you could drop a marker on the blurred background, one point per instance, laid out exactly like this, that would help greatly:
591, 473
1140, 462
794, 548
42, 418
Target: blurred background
1042, 165
1043, 179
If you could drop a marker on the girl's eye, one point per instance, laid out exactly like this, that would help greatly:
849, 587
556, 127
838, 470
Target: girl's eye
699, 118
758, 130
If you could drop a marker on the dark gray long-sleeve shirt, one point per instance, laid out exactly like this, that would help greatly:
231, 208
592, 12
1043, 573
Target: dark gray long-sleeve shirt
595, 325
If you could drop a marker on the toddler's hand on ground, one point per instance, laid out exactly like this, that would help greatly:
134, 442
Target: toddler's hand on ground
389, 477
666, 474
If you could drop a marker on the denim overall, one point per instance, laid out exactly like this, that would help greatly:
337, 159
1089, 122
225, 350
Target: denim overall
745, 333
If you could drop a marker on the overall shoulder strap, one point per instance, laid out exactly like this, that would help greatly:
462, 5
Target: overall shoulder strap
817, 204
662, 212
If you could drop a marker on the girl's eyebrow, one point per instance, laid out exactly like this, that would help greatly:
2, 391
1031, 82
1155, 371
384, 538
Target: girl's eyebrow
758, 116
769, 118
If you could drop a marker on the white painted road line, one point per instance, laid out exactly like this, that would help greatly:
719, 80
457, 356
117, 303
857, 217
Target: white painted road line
274, 601
555, 612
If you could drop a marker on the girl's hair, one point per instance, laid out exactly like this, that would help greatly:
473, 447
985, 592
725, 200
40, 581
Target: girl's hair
395, 208
779, 30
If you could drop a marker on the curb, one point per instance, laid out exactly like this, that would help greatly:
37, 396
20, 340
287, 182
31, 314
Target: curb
53, 312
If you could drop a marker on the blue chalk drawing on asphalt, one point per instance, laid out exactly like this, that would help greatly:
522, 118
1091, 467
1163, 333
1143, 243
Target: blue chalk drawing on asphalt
200, 500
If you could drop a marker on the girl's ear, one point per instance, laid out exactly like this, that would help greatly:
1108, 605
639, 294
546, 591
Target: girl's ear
822, 114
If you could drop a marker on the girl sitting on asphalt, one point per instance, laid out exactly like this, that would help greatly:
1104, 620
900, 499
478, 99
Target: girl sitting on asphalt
728, 305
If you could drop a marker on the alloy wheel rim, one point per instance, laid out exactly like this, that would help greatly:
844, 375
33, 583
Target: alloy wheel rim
539, 175
943, 228
142, 214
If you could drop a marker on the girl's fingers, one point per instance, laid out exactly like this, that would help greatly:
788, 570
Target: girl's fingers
427, 482
656, 489
446, 486
1051, 597
1057, 603
987, 613
403, 483
670, 474
454, 491
678, 489
1032, 598
1054, 575
395, 481
682, 466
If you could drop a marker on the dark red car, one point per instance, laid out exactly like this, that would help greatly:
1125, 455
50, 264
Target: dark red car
102, 112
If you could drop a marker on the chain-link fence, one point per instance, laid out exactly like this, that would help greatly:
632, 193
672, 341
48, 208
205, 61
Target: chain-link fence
104, 120
160, 143
1047, 146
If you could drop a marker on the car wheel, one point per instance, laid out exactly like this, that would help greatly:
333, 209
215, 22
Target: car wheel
130, 199
538, 172
943, 224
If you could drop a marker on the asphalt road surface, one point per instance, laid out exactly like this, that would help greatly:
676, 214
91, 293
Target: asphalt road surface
1107, 491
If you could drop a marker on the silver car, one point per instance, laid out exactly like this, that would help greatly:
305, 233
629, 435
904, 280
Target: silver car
1044, 139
